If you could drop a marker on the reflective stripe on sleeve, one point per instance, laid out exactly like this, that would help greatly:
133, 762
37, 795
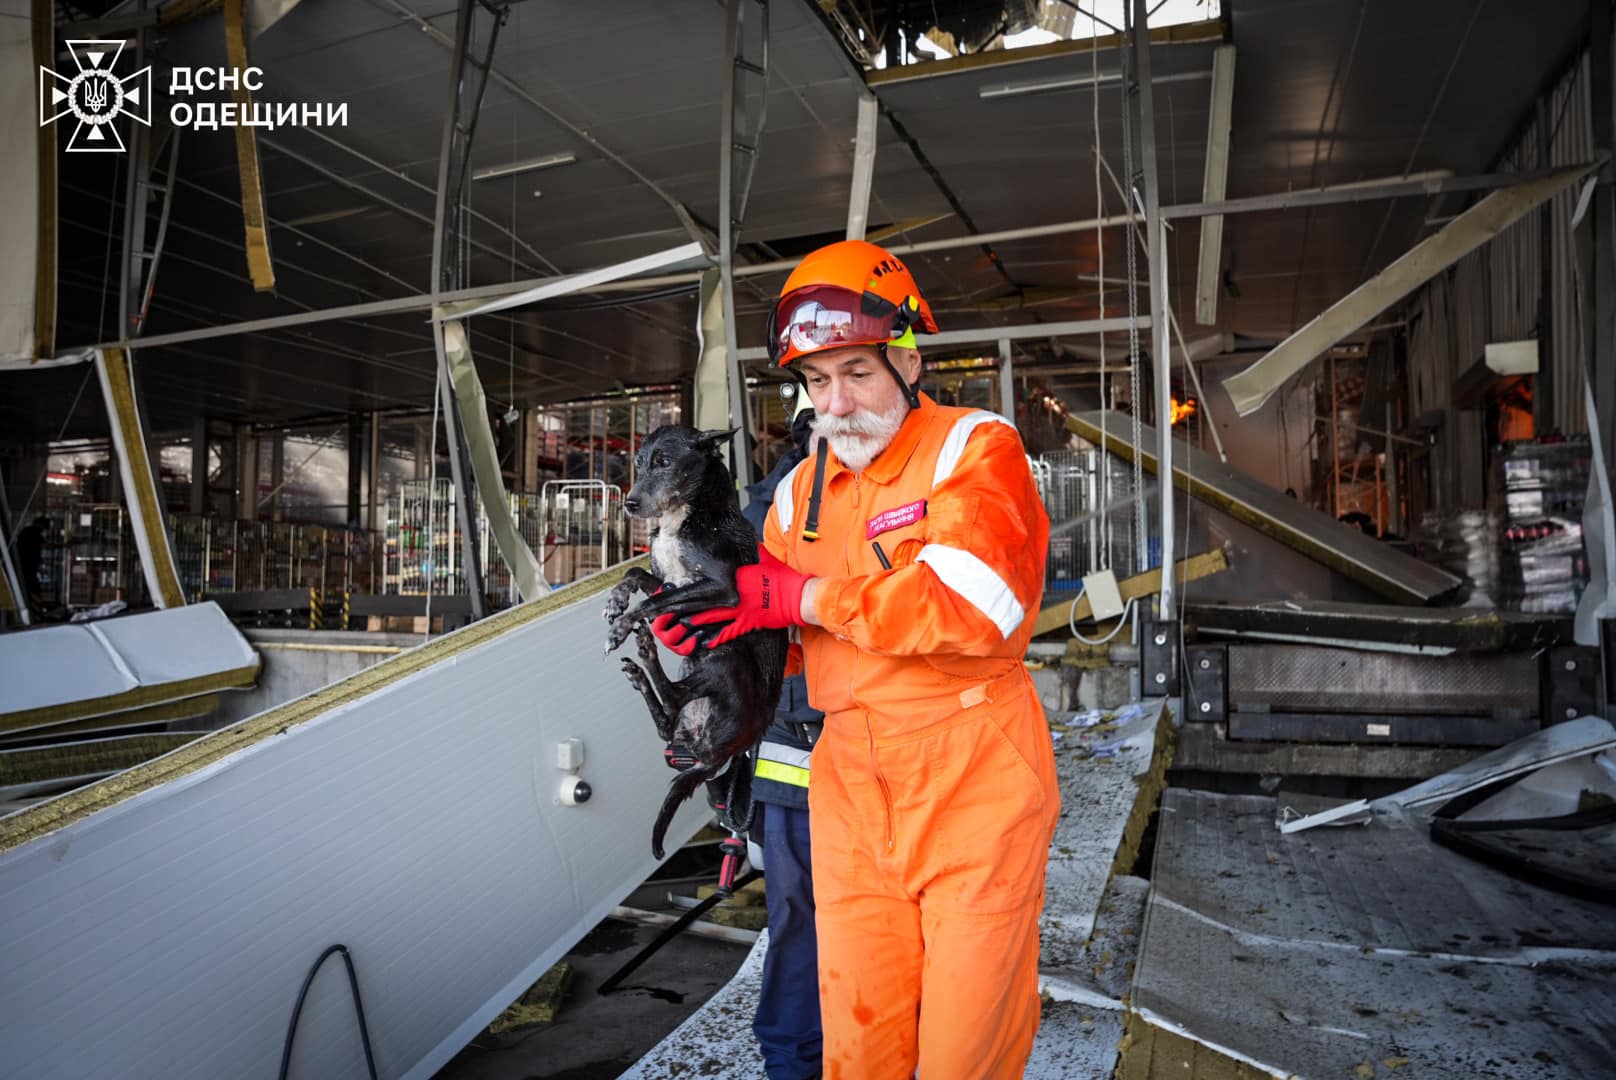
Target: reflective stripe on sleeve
954, 446
784, 506
975, 580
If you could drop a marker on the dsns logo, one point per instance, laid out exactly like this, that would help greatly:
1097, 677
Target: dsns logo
94, 96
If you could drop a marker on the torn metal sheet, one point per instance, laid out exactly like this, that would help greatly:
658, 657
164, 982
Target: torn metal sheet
1336, 952
1480, 223
410, 812
1561, 742
1586, 735
1344, 549
468, 389
116, 370
85, 670
250, 174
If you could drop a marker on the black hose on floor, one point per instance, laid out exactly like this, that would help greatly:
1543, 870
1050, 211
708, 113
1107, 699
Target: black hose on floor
359, 1009
671, 932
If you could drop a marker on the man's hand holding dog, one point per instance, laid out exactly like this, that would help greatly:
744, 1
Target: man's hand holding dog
772, 598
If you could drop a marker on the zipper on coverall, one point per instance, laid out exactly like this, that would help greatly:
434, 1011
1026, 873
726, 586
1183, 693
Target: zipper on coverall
869, 728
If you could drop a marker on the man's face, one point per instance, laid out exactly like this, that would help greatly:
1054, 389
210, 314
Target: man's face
859, 406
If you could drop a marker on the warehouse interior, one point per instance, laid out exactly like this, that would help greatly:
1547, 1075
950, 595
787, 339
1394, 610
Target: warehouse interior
315, 431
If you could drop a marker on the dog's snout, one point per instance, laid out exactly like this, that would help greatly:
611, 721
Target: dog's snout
632, 504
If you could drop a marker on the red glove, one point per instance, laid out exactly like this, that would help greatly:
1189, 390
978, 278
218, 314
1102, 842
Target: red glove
771, 599
674, 634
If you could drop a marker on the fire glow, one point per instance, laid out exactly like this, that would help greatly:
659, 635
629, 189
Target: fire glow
1182, 410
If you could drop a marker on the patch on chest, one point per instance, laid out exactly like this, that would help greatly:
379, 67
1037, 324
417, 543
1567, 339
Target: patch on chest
895, 518
668, 555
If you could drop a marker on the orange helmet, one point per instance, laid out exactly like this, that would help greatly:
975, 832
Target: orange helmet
847, 293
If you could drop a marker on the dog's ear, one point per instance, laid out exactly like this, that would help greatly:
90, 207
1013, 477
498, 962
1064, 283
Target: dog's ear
713, 441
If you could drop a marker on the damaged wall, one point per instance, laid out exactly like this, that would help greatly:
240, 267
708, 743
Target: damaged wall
1497, 293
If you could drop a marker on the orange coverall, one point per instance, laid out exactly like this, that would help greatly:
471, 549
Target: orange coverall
934, 796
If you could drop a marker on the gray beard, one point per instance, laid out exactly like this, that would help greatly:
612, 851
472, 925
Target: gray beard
859, 439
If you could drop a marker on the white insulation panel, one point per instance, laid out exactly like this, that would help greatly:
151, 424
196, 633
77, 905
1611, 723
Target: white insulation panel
57, 665
418, 825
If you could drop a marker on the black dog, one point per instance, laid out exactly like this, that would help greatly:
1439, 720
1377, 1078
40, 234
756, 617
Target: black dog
725, 696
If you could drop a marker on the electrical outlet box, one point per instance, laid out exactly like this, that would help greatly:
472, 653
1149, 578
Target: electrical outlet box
570, 755
1105, 599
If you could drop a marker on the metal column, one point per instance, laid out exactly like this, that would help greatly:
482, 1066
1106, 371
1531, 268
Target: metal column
737, 160
1156, 254
1007, 382
468, 81
1602, 81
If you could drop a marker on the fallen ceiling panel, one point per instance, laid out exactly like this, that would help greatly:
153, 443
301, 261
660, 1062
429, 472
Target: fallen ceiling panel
411, 813
1343, 548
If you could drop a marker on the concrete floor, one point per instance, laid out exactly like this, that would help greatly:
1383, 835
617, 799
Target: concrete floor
595, 1037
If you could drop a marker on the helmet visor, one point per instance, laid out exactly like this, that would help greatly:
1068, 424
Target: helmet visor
827, 317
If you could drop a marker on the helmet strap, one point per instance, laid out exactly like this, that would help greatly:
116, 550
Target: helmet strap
911, 391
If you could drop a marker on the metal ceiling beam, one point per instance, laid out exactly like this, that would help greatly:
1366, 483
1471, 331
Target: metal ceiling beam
741, 136
413, 182
1376, 189
1214, 183
1361, 191
864, 141
1253, 386
515, 88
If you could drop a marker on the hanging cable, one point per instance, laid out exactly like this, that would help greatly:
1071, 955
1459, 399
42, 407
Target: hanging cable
359, 1011
1122, 620
1099, 236
1141, 526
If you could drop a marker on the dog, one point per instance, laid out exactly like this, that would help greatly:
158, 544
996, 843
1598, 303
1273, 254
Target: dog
725, 697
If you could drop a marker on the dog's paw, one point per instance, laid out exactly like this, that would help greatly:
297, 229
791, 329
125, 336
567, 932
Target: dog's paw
645, 643
618, 600
618, 632
636, 676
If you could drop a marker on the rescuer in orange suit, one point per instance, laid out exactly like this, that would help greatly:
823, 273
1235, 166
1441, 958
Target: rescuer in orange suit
911, 555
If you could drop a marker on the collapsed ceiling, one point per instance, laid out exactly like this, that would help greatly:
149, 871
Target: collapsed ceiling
1328, 92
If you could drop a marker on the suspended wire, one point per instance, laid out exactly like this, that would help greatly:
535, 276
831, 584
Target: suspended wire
27, 507
1099, 234
1141, 526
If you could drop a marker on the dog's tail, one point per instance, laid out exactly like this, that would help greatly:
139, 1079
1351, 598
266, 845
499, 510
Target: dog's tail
683, 786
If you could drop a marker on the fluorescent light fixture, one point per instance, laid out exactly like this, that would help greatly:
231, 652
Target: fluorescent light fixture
1078, 82
548, 161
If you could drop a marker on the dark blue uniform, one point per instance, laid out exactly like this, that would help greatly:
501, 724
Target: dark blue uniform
787, 1019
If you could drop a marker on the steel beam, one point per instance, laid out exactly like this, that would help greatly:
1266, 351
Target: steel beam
1208, 275
426, 301
1253, 386
858, 200
1437, 182
1156, 254
253, 215
134, 206
1602, 83
454, 163
737, 160
1007, 382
